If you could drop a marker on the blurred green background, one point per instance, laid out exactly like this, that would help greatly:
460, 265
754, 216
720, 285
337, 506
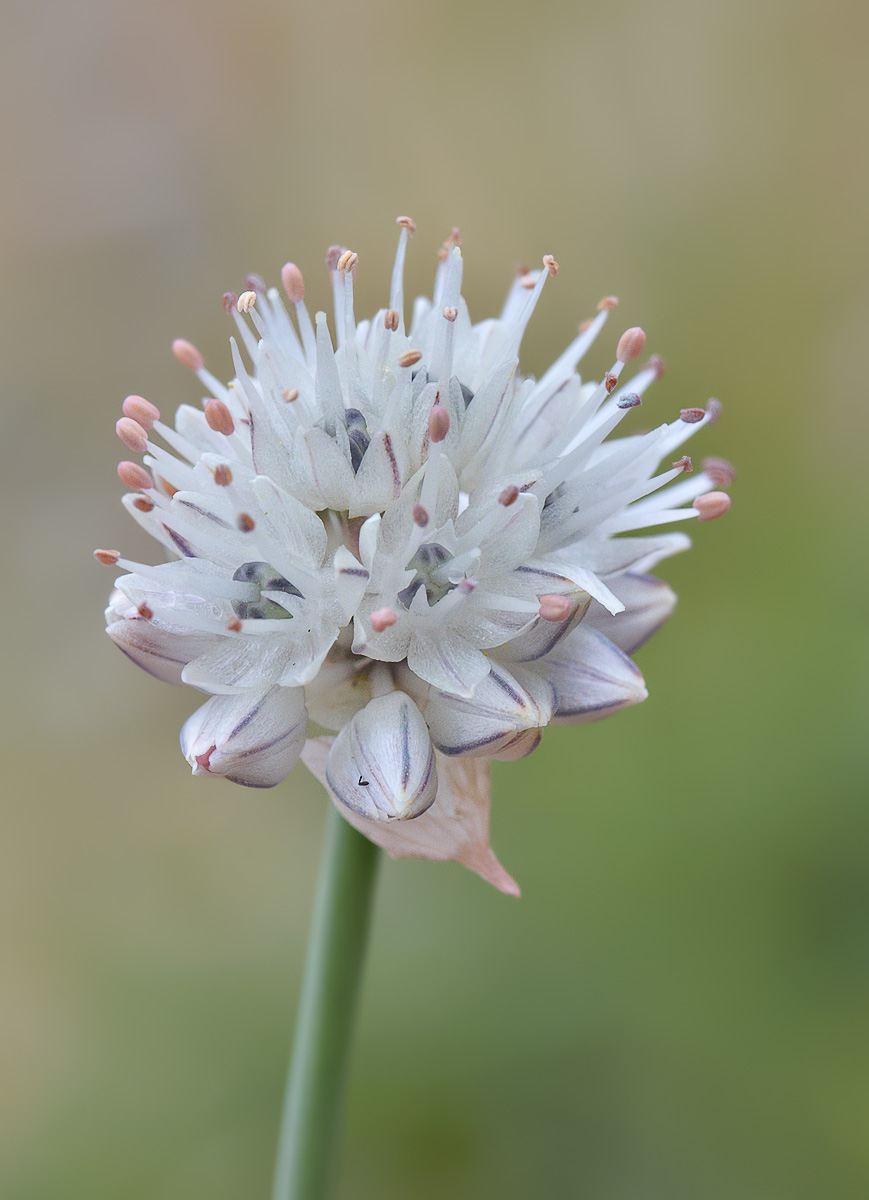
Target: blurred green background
678, 1006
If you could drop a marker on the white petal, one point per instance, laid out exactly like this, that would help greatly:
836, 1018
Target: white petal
648, 603
448, 662
495, 719
254, 739
455, 828
162, 654
382, 762
592, 677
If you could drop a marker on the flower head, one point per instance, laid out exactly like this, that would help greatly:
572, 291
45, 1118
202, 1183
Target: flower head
399, 537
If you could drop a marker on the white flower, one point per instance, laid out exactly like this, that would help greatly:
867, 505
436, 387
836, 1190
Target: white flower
404, 540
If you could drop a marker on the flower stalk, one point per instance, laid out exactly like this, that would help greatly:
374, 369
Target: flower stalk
307, 1146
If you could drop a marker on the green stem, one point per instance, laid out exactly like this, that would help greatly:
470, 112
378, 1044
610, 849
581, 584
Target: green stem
330, 989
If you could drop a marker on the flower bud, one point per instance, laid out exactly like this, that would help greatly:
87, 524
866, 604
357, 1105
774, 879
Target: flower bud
381, 764
254, 738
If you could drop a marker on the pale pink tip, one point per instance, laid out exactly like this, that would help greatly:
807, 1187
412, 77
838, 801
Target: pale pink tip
187, 354
438, 423
141, 410
219, 417
132, 434
631, 344
134, 476
712, 505
382, 619
554, 608
407, 223
107, 557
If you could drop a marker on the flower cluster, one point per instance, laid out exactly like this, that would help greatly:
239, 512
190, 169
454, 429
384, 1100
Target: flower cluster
402, 540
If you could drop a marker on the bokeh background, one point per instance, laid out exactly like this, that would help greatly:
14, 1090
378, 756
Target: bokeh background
678, 1006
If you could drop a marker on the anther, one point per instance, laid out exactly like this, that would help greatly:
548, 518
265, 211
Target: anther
451, 313
610, 381
631, 400
631, 344
255, 283
692, 415
245, 522
527, 282
712, 505
656, 364
466, 586
187, 354
132, 434
167, 487
293, 281
145, 612
583, 325
509, 495
246, 301
390, 319
347, 261
332, 255
554, 608
407, 223
550, 264
290, 394
720, 471
453, 238
134, 476
685, 463
107, 557
438, 423
420, 516
141, 410
607, 304
713, 409
409, 358
222, 475
143, 504
234, 626
229, 302
218, 416
381, 619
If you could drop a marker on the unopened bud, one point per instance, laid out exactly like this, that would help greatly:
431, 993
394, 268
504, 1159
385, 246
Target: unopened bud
631, 344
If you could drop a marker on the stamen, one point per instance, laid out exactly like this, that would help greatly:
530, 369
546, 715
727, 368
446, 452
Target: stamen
255, 283
407, 223
410, 358
720, 471
610, 382
230, 300
382, 619
631, 344
294, 282
656, 364
451, 313
290, 394
527, 282
390, 319
438, 423
145, 612
554, 608
692, 415
218, 416
245, 522
132, 434
143, 504
509, 495
607, 304
246, 301
685, 463
713, 410
712, 505
187, 354
453, 238
631, 400
108, 558
333, 253
135, 477
141, 410
167, 487
347, 261
420, 515
234, 626
585, 325
222, 475
550, 264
